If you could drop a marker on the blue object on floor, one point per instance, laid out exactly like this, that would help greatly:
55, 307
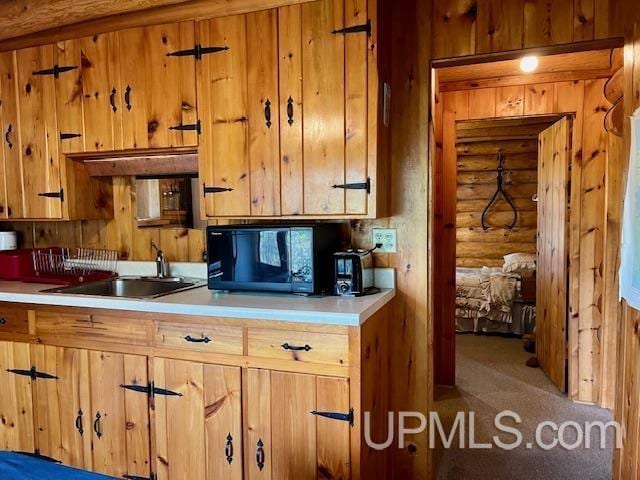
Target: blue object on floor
20, 466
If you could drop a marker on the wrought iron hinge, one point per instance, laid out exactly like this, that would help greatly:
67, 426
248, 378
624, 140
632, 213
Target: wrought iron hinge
59, 194
151, 390
36, 454
67, 136
356, 186
32, 373
56, 70
365, 27
197, 51
153, 476
207, 190
344, 417
189, 126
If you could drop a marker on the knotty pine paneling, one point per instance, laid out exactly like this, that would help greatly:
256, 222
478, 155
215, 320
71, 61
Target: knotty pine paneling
121, 233
468, 27
591, 332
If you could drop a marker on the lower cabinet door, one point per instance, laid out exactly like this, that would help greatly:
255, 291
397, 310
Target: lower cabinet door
16, 411
118, 420
295, 426
198, 421
61, 404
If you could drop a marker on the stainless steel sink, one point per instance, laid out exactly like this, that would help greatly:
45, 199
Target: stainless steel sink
131, 287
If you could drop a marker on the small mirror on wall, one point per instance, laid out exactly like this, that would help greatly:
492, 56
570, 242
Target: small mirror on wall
165, 202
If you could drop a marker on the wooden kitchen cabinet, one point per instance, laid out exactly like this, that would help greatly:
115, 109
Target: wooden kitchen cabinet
198, 425
287, 434
289, 110
16, 401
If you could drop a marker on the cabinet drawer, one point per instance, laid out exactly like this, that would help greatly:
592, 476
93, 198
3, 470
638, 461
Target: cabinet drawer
14, 320
214, 339
95, 327
327, 348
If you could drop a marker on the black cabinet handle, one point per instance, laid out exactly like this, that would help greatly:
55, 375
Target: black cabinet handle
189, 338
228, 448
267, 113
7, 136
290, 110
296, 348
79, 423
260, 455
112, 100
3, 321
96, 425
127, 97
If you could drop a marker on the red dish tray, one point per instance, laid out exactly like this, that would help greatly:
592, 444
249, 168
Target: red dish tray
17, 265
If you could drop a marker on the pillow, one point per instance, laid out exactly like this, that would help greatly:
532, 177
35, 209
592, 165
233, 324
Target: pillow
519, 263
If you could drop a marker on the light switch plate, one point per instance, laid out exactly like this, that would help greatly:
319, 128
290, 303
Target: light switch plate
387, 237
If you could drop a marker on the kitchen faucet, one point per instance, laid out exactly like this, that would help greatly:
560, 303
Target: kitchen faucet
161, 263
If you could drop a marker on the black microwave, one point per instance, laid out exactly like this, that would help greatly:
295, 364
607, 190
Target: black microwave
292, 258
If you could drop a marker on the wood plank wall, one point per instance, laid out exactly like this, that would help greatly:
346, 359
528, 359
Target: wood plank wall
477, 146
591, 354
468, 27
121, 233
626, 463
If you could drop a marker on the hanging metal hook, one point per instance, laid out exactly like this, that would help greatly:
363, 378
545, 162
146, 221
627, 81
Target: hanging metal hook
500, 191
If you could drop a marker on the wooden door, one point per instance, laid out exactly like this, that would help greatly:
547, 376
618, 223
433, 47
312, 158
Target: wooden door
69, 95
158, 88
102, 98
334, 108
198, 425
43, 194
16, 402
118, 421
62, 405
554, 156
239, 157
285, 439
10, 158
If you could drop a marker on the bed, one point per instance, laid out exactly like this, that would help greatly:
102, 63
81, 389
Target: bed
489, 300
22, 466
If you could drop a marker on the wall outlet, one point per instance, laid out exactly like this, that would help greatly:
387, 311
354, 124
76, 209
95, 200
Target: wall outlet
387, 237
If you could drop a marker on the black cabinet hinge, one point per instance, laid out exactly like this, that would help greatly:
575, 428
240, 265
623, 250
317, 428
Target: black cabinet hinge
197, 51
206, 190
59, 194
151, 390
344, 417
36, 454
56, 70
68, 136
356, 186
365, 27
188, 126
32, 373
153, 476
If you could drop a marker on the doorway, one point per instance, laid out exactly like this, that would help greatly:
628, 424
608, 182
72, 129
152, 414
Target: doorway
565, 84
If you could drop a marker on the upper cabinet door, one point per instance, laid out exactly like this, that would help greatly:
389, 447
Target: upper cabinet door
224, 154
239, 104
11, 167
68, 88
102, 98
158, 86
325, 106
36, 69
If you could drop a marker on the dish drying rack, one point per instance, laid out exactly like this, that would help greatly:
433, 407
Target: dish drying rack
68, 266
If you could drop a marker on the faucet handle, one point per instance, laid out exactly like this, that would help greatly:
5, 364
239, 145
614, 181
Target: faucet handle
155, 247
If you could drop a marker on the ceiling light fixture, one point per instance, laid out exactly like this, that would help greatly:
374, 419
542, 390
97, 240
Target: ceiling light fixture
529, 64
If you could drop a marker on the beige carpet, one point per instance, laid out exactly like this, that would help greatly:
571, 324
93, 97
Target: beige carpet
491, 377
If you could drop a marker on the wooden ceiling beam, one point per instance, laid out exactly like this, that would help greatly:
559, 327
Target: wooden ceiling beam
56, 20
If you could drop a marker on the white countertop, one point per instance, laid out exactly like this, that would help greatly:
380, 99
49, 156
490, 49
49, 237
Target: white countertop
348, 311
